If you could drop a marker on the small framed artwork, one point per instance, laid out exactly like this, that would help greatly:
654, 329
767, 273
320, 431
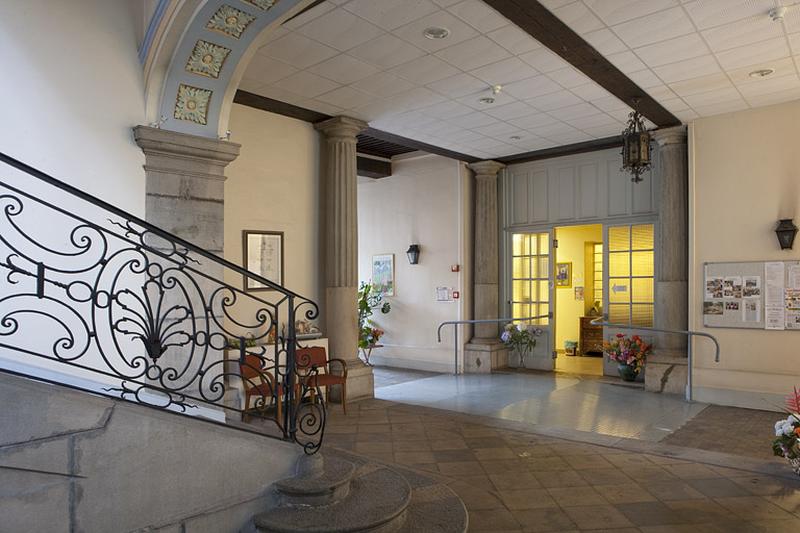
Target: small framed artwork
383, 273
263, 255
564, 275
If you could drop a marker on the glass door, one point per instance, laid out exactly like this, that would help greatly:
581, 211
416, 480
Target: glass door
532, 295
629, 274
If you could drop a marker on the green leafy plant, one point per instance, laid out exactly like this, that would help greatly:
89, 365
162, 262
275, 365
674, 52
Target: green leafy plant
369, 299
520, 339
249, 342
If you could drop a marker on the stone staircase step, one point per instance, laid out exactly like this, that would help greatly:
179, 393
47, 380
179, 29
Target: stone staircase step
376, 502
319, 482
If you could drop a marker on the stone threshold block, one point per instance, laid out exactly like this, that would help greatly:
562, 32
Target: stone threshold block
484, 356
667, 372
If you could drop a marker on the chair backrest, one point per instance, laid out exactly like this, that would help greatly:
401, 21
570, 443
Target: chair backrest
313, 356
252, 372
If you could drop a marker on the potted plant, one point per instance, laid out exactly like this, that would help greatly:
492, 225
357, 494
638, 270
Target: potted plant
369, 299
629, 353
787, 433
519, 339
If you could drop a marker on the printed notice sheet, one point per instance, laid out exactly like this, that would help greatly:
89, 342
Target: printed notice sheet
774, 304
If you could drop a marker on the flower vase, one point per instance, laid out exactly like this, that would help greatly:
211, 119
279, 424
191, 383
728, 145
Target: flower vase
627, 372
795, 464
521, 354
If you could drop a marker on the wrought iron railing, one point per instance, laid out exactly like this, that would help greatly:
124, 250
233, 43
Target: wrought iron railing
96, 292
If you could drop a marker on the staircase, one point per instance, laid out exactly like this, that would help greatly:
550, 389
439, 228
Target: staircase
342, 493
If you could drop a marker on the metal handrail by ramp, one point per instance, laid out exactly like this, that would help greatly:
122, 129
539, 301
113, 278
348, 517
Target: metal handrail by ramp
455, 324
602, 321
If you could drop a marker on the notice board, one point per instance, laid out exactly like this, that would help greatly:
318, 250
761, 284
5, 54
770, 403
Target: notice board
753, 294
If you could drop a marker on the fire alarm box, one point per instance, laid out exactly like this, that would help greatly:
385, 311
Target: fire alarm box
456, 294
455, 268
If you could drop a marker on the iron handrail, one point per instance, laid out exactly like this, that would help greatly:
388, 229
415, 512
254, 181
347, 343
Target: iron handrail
455, 323
603, 321
123, 302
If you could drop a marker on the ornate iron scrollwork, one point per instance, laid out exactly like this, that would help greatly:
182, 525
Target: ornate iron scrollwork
143, 312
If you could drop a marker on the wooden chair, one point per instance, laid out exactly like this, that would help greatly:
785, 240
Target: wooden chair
316, 357
259, 383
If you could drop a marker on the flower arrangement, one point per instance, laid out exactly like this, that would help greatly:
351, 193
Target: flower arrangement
629, 353
787, 432
369, 299
519, 339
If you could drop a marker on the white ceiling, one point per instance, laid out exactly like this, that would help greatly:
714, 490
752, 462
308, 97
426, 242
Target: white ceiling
369, 59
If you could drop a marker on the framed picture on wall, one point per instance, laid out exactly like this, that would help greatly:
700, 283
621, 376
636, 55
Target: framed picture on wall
564, 275
383, 273
263, 255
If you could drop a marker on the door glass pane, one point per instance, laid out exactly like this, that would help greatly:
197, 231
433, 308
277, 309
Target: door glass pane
522, 291
618, 313
619, 238
521, 267
642, 291
530, 272
642, 263
619, 290
642, 237
642, 315
619, 264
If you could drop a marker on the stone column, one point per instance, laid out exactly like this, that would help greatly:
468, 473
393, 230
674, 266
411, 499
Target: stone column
341, 250
185, 179
666, 370
485, 352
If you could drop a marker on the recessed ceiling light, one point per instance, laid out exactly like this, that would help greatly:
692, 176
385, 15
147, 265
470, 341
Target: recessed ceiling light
436, 32
777, 14
486, 100
762, 73
515, 137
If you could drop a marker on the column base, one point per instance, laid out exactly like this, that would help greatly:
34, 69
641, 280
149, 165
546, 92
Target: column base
666, 373
484, 356
360, 383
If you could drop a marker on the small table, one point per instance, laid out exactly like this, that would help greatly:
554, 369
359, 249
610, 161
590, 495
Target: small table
368, 352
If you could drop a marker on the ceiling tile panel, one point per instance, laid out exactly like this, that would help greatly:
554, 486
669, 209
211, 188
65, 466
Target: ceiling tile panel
340, 30
514, 39
267, 70
555, 100
298, 51
543, 60
577, 16
306, 84
479, 15
617, 11
474, 53
654, 28
391, 14
386, 51
513, 110
532, 87
686, 70
346, 97
384, 84
458, 85
740, 33
425, 70
605, 42
754, 54
504, 72
710, 13
343, 69
672, 50
459, 31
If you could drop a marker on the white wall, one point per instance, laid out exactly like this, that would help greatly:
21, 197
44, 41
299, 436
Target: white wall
425, 201
274, 185
72, 90
744, 169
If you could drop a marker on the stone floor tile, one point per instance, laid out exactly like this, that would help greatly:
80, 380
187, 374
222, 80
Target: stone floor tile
442, 434
550, 519
576, 496
673, 490
337, 429
494, 454
534, 450
652, 514
453, 456
493, 520
515, 480
546, 463
597, 517
461, 468
560, 478
526, 499
710, 527
649, 474
409, 458
579, 449
372, 437
373, 447
374, 428
691, 471
476, 499
484, 442
448, 444
480, 481
717, 488
788, 501
765, 485
604, 476
625, 493
628, 459
778, 526
411, 446
661, 460
700, 511
409, 435
587, 461
753, 508
504, 465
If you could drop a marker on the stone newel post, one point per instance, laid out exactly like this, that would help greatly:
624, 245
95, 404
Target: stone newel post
341, 250
484, 351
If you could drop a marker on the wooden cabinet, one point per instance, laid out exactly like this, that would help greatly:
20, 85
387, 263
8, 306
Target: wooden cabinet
591, 341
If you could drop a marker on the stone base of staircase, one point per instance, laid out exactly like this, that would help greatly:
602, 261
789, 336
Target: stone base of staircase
666, 372
341, 493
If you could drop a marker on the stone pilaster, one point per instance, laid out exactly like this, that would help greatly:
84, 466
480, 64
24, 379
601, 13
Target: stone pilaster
485, 351
185, 179
341, 250
666, 370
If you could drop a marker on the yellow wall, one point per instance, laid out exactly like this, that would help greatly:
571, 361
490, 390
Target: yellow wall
571, 243
744, 169
274, 185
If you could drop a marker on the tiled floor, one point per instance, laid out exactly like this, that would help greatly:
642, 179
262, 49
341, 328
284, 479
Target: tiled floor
547, 400
385, 376
513, 480
573, 364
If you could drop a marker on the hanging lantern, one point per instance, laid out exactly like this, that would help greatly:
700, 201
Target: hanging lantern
636, 147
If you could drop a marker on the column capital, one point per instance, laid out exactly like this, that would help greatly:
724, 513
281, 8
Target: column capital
341, 127
155, 141
486, 169
673, 135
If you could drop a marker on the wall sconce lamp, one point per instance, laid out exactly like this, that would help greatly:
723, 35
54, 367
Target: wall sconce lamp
413, 254
786, 231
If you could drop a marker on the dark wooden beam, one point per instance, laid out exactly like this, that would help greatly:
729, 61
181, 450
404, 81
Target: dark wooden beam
373, 168
558, 151
545, 27
276, 106
417, 145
